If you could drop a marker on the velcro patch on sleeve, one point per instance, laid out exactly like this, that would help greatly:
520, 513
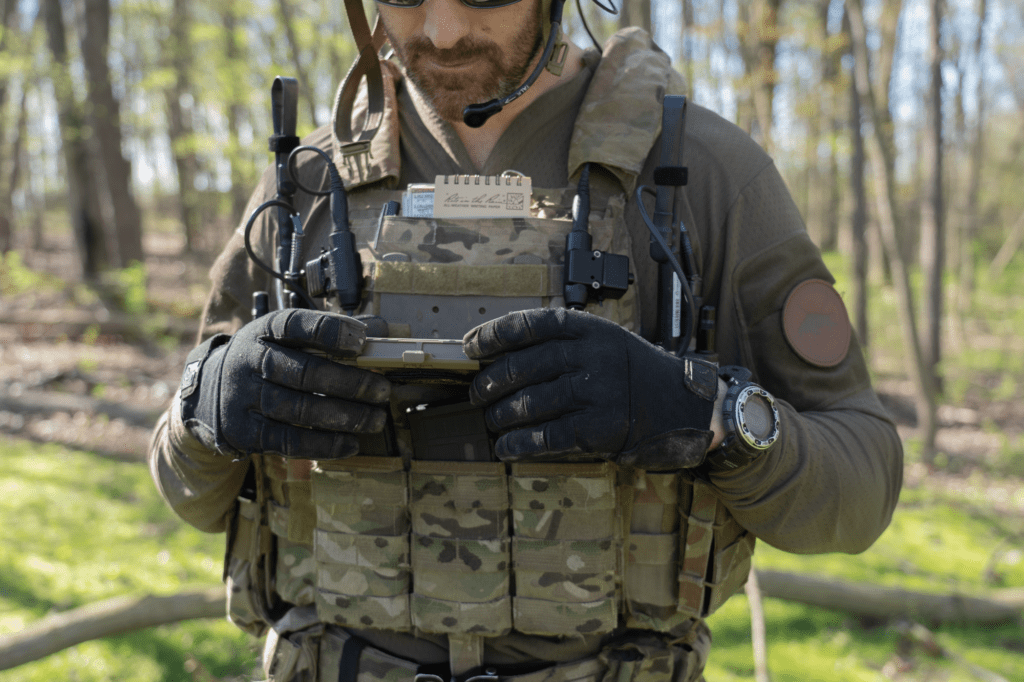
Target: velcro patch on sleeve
816, 324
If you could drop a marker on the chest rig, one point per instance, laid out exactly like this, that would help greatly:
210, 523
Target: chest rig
424, 531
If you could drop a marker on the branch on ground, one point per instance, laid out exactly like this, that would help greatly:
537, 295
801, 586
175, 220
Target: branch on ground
115, 616
888, 603
127, 614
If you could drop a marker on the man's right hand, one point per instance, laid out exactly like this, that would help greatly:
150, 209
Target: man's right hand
256, 391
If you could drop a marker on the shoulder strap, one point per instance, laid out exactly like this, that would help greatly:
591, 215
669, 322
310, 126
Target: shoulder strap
367, 64
369, 154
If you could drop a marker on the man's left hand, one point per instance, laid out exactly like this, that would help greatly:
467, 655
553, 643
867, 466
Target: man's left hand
566, 383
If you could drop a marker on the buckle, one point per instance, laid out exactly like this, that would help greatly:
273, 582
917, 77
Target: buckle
488, 675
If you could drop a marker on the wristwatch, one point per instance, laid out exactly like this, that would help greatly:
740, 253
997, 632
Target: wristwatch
751, 422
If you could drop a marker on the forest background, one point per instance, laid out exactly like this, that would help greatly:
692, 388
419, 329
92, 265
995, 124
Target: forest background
132, 132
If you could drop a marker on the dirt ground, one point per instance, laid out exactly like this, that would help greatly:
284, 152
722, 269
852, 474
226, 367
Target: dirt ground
87, 376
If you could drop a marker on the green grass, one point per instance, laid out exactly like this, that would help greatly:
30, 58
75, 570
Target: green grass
940, 543
78, 529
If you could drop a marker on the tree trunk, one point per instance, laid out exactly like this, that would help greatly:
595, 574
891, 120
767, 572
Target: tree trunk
686, 45
832, 125
860, 215
8, 19
636, 13
758, 33
758, 631
295, 49
882, 164
179, 122
7, 227
970, 217
234, 97
104, 116
82, 190
933, 238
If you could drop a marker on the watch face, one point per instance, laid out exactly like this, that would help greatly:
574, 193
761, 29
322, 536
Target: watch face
757, 417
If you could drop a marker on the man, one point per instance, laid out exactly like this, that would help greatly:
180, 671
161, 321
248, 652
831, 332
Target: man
621, 486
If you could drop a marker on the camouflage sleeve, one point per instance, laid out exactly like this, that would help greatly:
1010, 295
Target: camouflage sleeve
832, 482
199, 484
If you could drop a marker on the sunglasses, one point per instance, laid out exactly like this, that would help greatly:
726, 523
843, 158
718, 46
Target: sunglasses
475, 4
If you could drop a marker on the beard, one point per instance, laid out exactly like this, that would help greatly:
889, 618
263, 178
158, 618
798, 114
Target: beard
495, 73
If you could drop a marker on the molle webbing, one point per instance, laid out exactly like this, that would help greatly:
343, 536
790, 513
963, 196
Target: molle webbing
445, 276
442, 279
481, 548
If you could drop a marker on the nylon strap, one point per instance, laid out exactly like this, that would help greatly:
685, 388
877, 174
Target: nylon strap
348, 667
465, 652
368, 65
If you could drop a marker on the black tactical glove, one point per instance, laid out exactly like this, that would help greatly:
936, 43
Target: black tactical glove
571, 383
257, 392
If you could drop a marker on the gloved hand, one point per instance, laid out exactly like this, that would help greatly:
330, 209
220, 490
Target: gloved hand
572, 383
256, 391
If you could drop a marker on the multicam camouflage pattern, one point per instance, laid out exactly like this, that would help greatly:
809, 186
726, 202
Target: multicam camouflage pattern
431, 549
507, 257
292, 655
651, 552
648, 658
460, 548
565, 552
610, 128
361, 543
562, 550
697, 533
296, 572
242, 575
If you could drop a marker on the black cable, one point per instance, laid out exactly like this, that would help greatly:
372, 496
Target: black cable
586, 26
263, 266
684, 283
332, 170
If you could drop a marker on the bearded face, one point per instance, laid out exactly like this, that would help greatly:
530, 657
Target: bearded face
475, 69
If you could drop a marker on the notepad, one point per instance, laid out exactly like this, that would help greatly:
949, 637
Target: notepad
482, 196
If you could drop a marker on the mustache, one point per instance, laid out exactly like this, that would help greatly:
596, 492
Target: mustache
467, 48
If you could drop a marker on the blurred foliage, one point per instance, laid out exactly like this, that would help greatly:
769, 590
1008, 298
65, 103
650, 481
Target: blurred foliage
16, 278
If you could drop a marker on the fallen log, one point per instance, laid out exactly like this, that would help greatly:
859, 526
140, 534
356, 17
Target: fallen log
48, 402
105, 619
52, 323
887, 603
126, 614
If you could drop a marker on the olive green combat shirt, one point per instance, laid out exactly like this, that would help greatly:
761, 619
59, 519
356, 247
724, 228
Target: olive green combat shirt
831, 482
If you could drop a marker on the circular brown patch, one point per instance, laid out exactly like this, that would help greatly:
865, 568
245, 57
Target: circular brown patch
816, 325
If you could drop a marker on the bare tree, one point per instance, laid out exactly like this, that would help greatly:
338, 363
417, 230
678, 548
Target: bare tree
234, 98
636, 13
295, 49
14, 173
82, 188
882, 164
686, 44
179, 119
860, 212
933, 238
970, 213
104, 117
758, 33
